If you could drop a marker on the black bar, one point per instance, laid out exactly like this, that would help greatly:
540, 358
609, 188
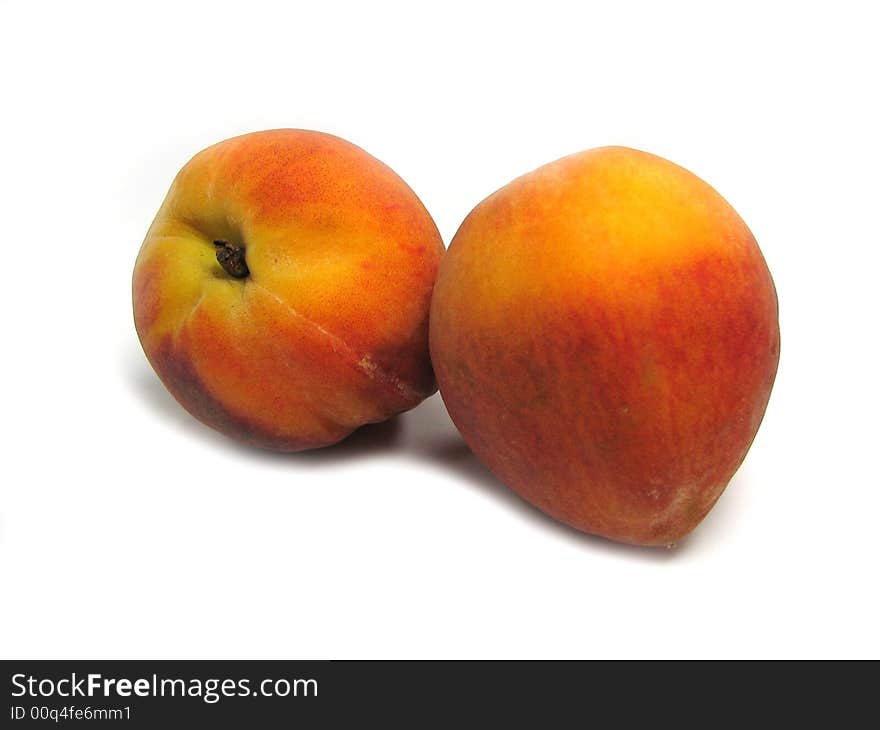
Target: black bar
256, 694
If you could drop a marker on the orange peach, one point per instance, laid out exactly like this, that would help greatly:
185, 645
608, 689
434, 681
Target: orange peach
282, 291
605, 336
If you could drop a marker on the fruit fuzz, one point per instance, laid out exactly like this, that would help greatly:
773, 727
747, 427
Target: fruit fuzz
282, 291
605, 335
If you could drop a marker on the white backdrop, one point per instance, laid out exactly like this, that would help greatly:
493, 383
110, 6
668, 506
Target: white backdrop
128, 530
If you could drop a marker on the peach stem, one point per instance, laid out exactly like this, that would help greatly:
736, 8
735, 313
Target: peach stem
231, 258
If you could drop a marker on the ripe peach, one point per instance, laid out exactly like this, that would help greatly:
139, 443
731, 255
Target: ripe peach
282, 291
604, 333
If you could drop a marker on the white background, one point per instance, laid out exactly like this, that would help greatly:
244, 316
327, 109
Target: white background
129, 530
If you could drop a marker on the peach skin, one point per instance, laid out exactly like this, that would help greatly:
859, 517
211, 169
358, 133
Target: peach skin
282, 291
605, 336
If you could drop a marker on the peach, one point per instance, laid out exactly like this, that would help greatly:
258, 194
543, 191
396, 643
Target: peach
605, 336
282, 291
